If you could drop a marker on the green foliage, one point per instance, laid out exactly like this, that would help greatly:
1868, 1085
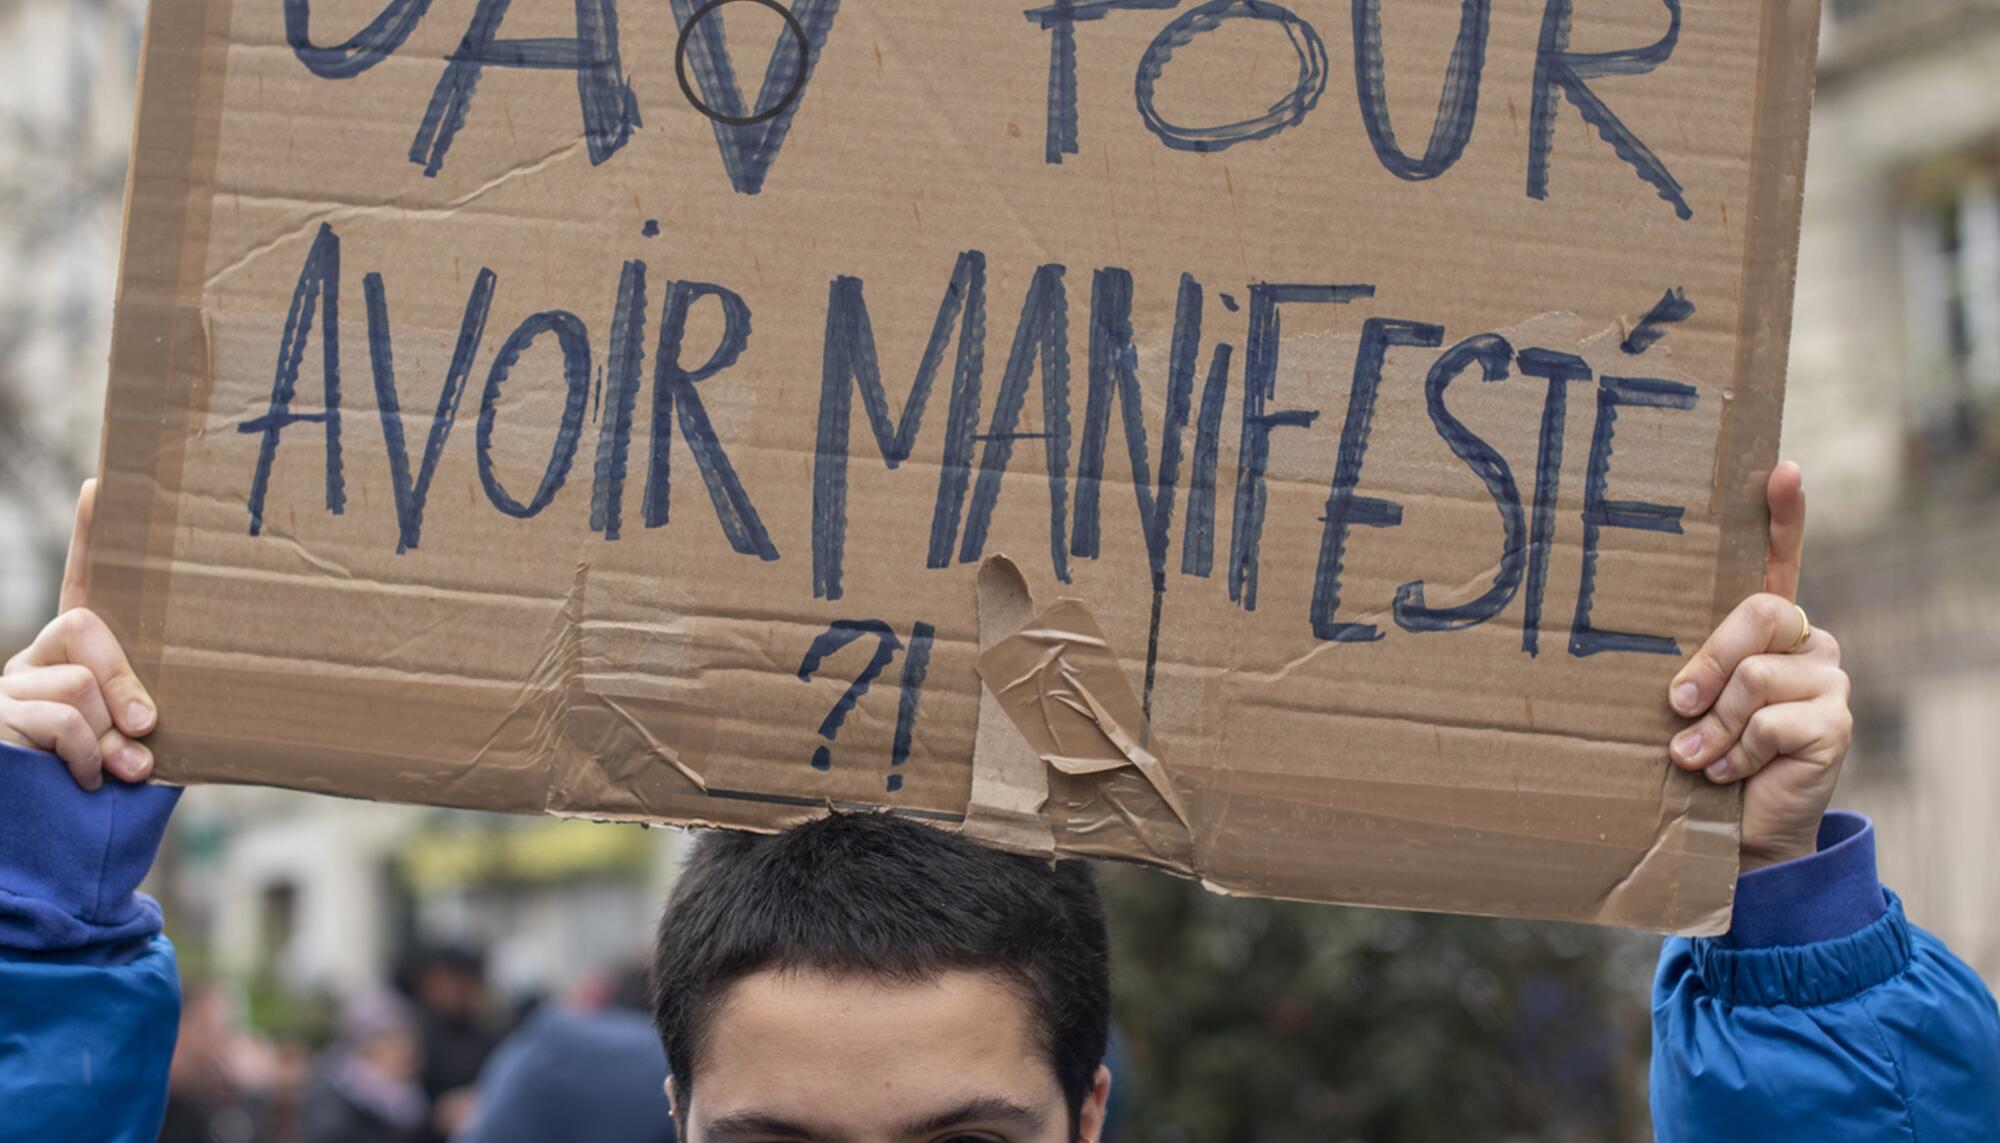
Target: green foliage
1268, 1022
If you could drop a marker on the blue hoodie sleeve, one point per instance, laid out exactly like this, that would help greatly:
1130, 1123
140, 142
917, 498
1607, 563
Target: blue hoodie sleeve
1823, 1014
89, 994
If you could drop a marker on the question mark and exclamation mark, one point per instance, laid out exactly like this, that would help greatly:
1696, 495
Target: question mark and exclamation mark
916, 661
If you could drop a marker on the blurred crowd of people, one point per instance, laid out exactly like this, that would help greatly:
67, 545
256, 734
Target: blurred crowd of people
432, 1057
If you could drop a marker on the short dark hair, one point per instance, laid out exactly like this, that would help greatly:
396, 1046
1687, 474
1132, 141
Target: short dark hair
880, 895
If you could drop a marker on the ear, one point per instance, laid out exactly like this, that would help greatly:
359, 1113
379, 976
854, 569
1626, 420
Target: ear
1090, 1124
673, 1105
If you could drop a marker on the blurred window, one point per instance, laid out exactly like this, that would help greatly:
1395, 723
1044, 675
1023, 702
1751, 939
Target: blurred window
280, 920
1951, 256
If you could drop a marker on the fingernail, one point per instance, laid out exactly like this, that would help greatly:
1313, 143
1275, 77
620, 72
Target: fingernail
1688, 744
1718, 771
1684, 698
140, 716
137, 762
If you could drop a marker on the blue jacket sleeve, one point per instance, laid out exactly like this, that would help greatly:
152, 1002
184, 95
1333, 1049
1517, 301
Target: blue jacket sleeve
1823, 1014
89, 994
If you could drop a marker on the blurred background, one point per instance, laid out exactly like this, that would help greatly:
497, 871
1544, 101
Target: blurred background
1241, 1020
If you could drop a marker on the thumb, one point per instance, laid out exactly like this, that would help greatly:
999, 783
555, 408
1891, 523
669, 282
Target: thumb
76, 569
1786, 494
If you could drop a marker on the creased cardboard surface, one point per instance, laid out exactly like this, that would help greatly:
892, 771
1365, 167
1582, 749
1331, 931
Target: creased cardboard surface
536, 440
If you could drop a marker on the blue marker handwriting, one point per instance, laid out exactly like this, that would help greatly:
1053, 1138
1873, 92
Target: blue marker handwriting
604, 378
750, 129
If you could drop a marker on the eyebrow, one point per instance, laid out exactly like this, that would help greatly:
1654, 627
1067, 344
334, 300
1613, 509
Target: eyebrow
985, 1109
750, 1124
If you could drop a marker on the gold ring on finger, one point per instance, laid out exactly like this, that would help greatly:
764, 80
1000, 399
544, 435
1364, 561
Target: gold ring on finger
1805, 631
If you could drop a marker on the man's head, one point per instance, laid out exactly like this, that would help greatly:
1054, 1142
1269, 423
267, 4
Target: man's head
864, 979
446, 981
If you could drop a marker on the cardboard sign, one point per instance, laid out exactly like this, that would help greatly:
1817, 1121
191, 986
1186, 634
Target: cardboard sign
617, 408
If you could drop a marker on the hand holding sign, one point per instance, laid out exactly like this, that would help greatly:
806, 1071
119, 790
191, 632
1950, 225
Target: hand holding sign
72, 691
1775, 704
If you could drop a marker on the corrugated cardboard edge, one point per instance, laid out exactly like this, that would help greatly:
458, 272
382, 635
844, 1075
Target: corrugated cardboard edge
1787, 59
159, 349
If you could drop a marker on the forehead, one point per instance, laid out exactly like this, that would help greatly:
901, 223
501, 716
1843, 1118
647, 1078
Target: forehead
859, 1052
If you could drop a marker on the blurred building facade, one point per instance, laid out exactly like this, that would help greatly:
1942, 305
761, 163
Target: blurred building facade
313, 896
65, 135
1894, 409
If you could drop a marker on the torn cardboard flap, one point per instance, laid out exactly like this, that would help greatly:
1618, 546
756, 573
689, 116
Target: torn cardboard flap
1065, 692
1010, 787
574, 439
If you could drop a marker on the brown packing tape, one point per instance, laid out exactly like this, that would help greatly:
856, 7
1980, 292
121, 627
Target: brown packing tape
1058, 681
1010, 786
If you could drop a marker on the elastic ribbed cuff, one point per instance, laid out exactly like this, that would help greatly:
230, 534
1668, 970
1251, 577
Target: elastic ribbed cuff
1804, 976
71, 861
1830, 894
